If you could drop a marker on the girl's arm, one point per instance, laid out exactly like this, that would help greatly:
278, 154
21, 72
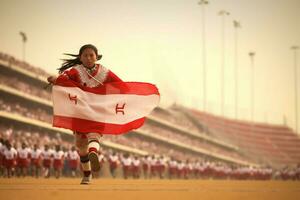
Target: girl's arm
70, 74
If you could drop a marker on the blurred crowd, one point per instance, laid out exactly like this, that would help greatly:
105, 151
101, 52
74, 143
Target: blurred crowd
19, 63
35, 90
42, 155
33, 113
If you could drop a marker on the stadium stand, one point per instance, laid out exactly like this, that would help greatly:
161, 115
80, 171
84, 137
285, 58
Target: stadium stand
201, 144
270, 144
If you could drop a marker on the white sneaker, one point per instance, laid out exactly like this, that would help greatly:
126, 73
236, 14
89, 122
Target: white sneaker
86, 180
95, 165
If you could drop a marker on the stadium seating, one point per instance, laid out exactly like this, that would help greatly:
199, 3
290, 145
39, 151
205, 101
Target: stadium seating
278, 145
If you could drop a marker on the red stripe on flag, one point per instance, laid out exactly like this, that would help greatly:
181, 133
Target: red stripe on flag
87, 126
139, 88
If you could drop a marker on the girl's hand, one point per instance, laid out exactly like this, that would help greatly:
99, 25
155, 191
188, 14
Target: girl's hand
51, 79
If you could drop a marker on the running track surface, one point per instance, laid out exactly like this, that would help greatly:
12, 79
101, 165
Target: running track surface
102, 189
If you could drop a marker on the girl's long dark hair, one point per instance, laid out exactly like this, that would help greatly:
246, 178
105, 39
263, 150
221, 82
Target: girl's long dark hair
68, 63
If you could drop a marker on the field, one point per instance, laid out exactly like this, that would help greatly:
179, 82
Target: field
45, 189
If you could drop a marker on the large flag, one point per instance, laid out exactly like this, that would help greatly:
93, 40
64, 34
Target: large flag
113, 108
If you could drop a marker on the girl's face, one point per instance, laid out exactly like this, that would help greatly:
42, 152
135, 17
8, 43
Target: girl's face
88, 57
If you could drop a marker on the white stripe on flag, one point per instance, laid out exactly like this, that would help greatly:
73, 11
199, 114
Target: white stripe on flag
101, 108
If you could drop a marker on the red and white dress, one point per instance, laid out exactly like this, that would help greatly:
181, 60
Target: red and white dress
180, 169
153, 165
58, 159
196, 168
35, 156
101, 159
23, 157
113, 161
161, 165
145, 163
73, 159
10, 157
47, 156
127, 164
172, 167
136, 166
2, 149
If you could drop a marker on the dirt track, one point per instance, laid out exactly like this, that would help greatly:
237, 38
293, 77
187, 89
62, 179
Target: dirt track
45, 189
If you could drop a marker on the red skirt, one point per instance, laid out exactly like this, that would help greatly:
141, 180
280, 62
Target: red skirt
145, 167
23, 162
135, 169
73, 164
36, 162
126, 168
113, 165
58, 164
153, 168
47, 163
172, 170
11, 163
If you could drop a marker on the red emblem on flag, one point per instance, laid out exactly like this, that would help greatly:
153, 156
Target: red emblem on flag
120, 109
73, 98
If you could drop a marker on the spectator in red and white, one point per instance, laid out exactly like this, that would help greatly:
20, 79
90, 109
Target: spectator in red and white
73, 160
36, 158
208, 169
47, 155
188, 169
136, 164
196, 170
126, 162
228, 172
268, 171
220, 171
58, 156
23, 160
290, 173
10, 156
113, 160
201, 170
145, 165
172, 168
243, 173
180, 169
102, 159
246, 171
298, 171
66, 167
2, 148
153, 166
161, 166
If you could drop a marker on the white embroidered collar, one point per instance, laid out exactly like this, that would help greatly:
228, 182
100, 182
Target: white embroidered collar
94, 81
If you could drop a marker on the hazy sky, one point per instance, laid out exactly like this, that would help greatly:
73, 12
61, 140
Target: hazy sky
160, 41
